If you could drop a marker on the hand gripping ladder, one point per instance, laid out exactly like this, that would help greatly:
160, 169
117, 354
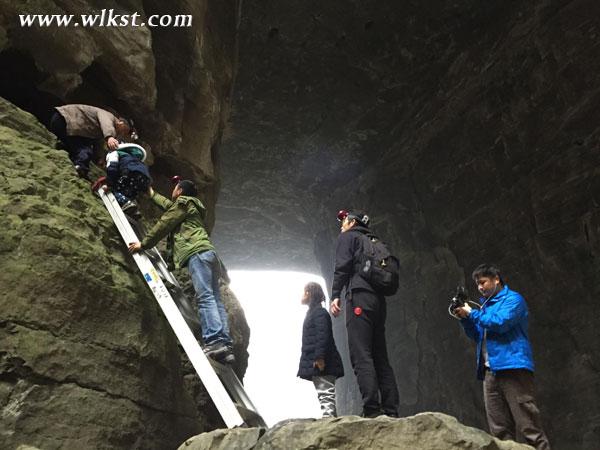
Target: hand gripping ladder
223, 386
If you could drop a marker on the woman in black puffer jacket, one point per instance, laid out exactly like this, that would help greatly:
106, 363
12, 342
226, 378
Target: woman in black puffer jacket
320, 361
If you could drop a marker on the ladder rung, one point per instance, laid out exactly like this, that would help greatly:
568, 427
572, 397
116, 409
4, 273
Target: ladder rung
220, 381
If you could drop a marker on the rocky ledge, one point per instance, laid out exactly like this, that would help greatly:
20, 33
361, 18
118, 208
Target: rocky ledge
425, 431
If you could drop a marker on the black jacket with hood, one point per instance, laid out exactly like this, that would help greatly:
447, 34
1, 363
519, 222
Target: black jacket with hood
318, 342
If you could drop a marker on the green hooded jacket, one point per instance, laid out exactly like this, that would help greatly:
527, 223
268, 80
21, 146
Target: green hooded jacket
183, 222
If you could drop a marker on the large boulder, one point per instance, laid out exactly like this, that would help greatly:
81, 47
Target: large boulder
426, 431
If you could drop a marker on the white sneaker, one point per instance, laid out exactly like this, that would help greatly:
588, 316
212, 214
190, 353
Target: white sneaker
130, 204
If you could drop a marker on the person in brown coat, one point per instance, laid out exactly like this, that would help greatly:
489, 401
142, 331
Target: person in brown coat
78, 127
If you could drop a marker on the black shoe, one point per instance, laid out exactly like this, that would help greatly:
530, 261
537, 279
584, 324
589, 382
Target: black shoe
129, 206
227, 358
216, 350
82, 172
370, 414
220, 352
131, 210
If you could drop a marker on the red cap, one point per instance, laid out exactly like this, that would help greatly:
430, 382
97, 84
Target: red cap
342, 214
175, 179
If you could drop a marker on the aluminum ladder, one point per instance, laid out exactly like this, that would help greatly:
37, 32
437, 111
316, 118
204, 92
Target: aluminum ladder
221, 382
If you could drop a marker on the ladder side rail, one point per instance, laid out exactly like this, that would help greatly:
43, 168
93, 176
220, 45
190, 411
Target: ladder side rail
199, 360
236, 389
225, 373
183, 304
163, 268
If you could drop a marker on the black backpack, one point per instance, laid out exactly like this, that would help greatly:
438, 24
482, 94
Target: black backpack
377, 265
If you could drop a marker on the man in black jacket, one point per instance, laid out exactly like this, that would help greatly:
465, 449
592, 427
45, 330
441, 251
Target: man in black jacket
365, 320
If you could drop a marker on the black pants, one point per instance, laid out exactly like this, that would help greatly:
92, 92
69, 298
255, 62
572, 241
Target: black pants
130, 185
80, 149
365, 322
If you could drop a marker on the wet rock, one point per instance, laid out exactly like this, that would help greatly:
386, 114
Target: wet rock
175, 81
87, 359
235, 439
426, 431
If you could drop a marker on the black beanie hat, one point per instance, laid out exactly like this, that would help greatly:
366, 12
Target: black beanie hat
188, 187
360, 217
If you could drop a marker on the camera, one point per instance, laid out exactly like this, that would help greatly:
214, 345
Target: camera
459, 299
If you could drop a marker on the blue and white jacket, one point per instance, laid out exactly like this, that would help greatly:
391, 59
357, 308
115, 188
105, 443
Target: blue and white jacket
127, 158
505, 318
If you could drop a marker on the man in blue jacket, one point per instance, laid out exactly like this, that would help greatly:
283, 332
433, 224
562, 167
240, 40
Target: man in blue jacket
504, 359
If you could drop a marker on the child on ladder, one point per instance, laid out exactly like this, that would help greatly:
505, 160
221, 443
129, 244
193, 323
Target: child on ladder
126, 174
320, 361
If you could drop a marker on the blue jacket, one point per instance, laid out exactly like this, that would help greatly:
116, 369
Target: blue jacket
505, 318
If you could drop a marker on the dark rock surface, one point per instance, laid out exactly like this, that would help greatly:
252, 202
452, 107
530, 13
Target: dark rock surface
469, 131
427, 431
175, 82
87, 359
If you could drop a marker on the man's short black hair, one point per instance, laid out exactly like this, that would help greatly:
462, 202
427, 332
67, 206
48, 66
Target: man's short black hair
188, 188
487, 270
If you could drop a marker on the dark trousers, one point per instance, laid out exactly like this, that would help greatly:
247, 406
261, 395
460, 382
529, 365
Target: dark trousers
80, 149
130, 185
365, 322
510, 407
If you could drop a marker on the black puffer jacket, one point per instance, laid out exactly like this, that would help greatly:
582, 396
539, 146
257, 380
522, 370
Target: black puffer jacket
317, 342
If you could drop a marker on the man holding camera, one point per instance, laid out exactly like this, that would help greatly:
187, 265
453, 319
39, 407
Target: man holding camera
504, 358
365, 320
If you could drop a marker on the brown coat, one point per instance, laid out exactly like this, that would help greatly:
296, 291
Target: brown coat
88, 121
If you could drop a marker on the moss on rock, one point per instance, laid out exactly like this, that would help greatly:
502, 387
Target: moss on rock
87, 359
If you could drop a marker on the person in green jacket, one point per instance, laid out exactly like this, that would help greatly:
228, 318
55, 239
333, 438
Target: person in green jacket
188, 245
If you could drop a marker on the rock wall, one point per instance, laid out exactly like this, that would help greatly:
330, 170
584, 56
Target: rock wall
469, 132
175, 82
427, 431
84, 346
87, 359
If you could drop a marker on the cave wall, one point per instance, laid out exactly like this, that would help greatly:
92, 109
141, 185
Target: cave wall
86, 357
469, 132
175, 82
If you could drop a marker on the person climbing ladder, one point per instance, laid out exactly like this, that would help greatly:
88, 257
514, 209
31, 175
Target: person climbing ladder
188, 245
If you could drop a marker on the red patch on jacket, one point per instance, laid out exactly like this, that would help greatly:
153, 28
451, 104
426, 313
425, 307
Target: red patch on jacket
357, 311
